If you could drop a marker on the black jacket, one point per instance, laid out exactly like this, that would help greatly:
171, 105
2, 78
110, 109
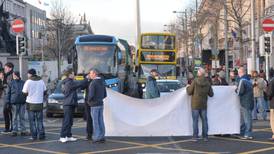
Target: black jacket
69, 89
97, 92
270, 92
14, 94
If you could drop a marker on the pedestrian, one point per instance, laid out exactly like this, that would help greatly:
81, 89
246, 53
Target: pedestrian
245, 92
35, 90
222, 79
17, 99
1, 82
199, 90
8, 71
69, 89
97, 92
259, 85
88, 118
270, 93
152, 90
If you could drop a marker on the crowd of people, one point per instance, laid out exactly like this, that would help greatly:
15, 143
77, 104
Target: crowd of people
20, 96
256, 96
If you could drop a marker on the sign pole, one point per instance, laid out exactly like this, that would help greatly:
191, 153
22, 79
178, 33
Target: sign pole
267, 66
20, 56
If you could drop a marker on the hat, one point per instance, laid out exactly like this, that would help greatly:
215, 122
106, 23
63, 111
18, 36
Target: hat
153, 70
32, 72
17, 73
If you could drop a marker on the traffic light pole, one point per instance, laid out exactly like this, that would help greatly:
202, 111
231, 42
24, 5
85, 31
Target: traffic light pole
267, 66
20, 56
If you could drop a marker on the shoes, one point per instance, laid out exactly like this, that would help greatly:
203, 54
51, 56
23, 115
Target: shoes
71, 139
99, 141
25, 133
63, 139
247, 138
195, 139
6, 132
33, 138
42, 138
88, 138
14, 134
205, 139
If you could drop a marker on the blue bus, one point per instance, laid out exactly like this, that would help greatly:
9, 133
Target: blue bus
103, 53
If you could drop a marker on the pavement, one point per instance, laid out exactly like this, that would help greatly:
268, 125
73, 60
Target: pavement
134, 145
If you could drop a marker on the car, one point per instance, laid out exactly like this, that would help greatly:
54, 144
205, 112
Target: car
54, 104
167, 86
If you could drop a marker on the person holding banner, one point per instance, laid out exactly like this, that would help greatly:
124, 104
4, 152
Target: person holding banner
270, 92
245, 92
199, 90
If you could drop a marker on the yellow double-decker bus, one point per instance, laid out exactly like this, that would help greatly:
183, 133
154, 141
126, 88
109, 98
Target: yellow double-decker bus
156, 51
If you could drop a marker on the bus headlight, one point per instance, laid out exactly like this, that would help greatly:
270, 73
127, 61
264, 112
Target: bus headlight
143, 85
51, 101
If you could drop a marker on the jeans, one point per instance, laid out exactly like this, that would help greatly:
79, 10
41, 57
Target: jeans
98, 123
36, 124
259, 107
246, 122
89, 128
195, 117
19, 117
67, 121
7, 116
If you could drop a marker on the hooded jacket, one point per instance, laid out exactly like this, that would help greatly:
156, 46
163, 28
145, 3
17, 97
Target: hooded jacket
69, 89
152, 90
199, 90
245, 92
97, 92
14, 94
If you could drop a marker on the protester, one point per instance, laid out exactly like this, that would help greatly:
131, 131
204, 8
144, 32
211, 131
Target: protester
270, 92
152, 90
35, 89
17, 99
69, 89
245, 92
259, 85
97, 92
199, 90
8, 69
222, 79
1, 82
88, 118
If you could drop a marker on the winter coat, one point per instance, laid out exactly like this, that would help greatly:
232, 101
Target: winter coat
8, 78
152, 90
97, 92
69, 89
245, 92
258, 89
14, 94
270, 93
199, 90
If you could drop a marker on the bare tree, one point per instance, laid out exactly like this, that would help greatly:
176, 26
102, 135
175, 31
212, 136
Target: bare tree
59, 32
237, 10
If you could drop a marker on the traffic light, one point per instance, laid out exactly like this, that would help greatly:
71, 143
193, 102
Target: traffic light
267, 44
21, 45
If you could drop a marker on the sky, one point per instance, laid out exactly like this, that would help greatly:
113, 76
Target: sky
117, 17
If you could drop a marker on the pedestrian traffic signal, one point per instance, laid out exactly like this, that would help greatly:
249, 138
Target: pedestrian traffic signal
20, 44
267, 43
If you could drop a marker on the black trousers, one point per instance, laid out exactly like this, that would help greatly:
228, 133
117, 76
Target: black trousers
7, 117
67, 121
88, 118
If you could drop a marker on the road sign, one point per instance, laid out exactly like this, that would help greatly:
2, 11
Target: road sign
268, 25
18, 26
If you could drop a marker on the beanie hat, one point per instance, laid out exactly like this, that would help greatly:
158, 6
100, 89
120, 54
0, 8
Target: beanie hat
17, 73
32, 72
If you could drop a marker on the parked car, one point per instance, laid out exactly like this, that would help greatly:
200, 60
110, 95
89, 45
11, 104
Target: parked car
168, 86
56, 99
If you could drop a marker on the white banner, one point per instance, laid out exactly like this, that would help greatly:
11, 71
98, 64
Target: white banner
170, 115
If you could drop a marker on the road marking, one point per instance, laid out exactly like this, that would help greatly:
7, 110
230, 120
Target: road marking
262, 129
259, 150
115, 150
250, 141
185, 150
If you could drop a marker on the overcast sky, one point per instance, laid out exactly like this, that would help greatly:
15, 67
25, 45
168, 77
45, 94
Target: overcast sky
117, 17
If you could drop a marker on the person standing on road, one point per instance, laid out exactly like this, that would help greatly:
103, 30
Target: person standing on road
199, 90
270, 93
245, 92
69, 89
88, 118
8, 69
259, 86
17, 99
1, 82
152, 90
97, 92
35, 89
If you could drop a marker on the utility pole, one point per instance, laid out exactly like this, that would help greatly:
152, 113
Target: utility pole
138, 22
253, 40
186, 32
226, 42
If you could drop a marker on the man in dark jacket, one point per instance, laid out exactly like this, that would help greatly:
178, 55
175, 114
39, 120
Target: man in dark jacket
8, 69
270, 92
199, 90
69, 89
97, 92
152, 90
245, 92
17, 99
